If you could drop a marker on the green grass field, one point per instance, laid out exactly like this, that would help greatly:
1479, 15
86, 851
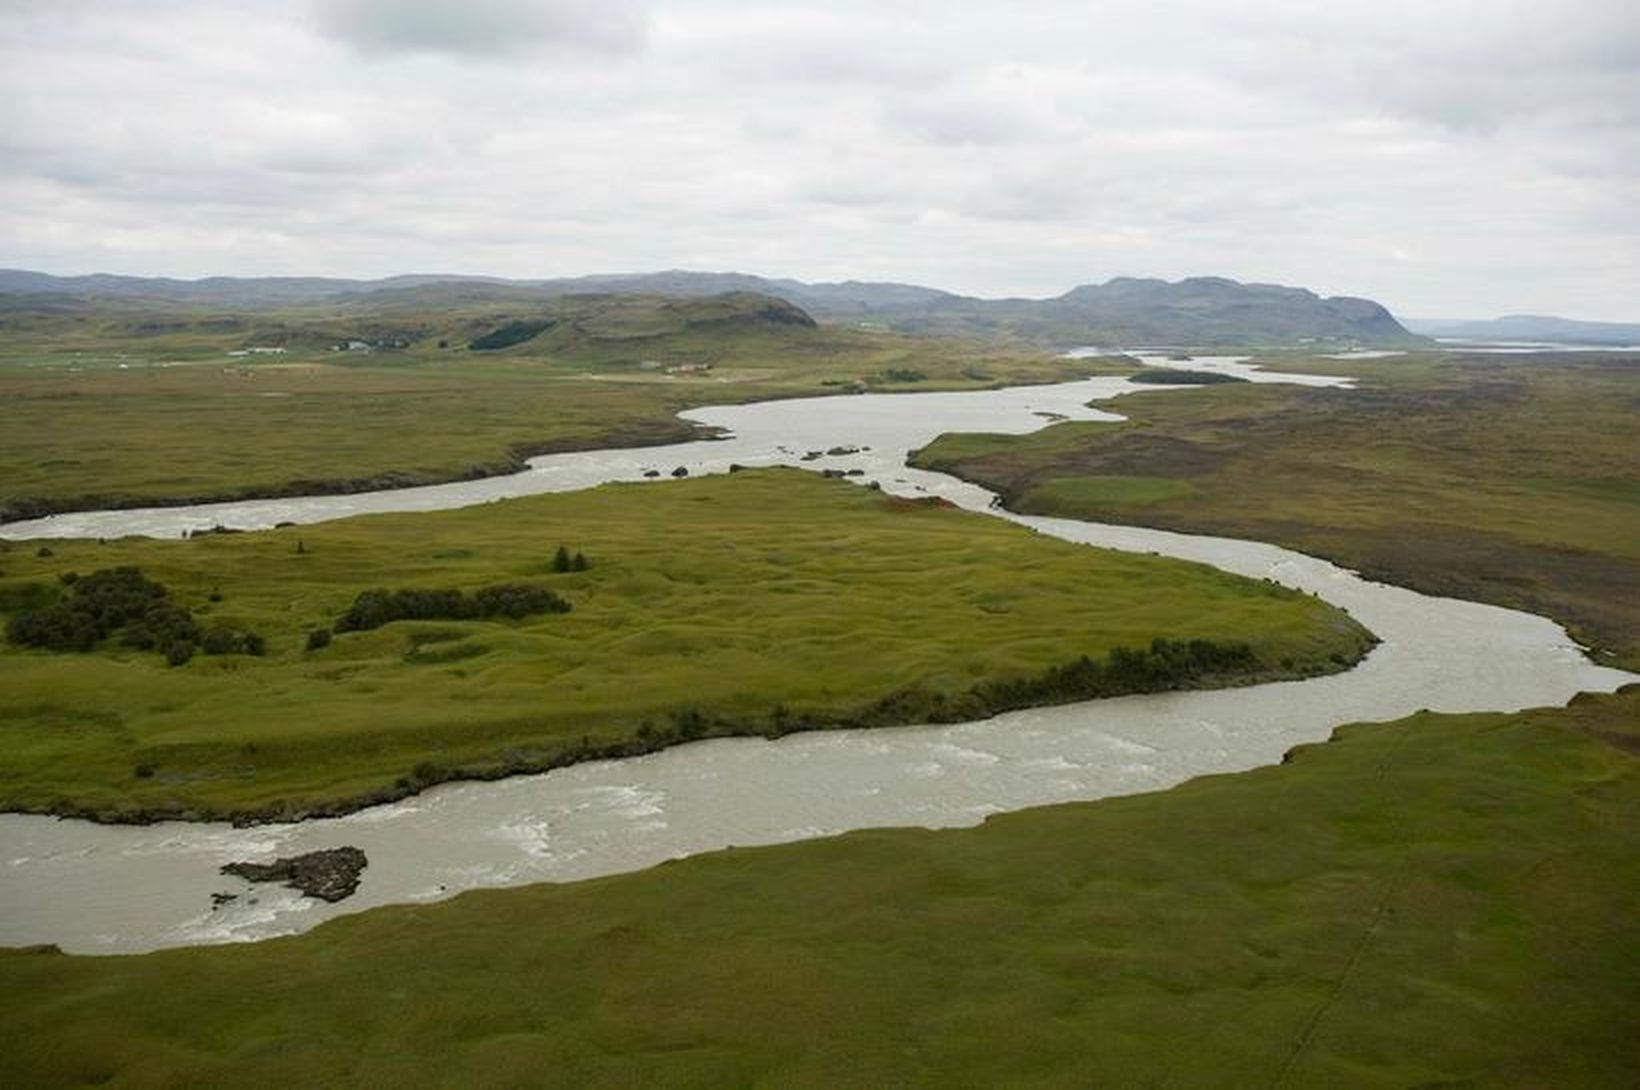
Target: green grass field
1440, 901
1500, 479
108, 408
764, 600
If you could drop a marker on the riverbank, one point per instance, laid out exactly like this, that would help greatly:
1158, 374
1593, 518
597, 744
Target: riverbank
177, 423
1509, 480
765, 602
1441, 899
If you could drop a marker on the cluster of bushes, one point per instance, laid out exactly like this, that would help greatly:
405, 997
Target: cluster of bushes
374, 608
124, 601
903, 374
1165, 664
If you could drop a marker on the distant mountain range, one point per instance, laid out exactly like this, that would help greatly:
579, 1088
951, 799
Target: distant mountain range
1529, 327
1199, 311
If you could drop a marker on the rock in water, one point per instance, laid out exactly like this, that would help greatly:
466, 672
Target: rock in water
330, 875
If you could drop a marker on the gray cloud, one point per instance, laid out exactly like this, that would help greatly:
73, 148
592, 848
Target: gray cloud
1408, 151
484, 28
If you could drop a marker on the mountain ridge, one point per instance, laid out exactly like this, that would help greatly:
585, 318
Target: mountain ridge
1205, 310
1529, 327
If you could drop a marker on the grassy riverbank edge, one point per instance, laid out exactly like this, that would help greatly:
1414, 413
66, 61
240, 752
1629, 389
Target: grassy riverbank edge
1442, 899
901, 709
515, 460
1505, 480
760, 603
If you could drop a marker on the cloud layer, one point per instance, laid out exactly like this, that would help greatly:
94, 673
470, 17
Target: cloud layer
1466, 158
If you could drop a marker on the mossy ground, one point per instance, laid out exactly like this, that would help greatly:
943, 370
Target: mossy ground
1444, 900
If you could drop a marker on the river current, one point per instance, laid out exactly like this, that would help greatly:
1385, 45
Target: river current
116, 889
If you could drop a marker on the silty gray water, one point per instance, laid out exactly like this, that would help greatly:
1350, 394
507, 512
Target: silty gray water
102, 889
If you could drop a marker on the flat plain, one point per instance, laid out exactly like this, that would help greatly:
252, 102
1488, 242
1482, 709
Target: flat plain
107, 407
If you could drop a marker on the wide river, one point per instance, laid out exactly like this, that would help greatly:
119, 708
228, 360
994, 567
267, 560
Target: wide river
114, 889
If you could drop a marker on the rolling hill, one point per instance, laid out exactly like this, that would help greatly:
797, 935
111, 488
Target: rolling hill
1199, 311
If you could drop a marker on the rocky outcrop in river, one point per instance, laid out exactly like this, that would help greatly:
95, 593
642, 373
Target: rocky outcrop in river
330, 875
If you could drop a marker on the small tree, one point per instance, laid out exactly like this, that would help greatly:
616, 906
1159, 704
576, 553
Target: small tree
560, 559
317, 639
579, 563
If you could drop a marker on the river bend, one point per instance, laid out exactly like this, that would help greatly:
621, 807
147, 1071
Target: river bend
114, 889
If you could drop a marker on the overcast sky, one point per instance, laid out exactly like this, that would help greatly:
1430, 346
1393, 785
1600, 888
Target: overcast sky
1446, 157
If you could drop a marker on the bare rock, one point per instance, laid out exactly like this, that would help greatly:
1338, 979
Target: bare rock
330, 875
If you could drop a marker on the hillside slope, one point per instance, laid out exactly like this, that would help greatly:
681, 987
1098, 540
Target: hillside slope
1123, 311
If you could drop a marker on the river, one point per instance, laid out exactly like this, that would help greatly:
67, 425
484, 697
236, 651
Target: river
113, 889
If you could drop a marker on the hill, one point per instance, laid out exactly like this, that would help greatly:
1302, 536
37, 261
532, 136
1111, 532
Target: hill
1206, 310
1529, 327
1199, 311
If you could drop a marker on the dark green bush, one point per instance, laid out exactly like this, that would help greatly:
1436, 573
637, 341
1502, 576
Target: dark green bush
124, 601
374, 608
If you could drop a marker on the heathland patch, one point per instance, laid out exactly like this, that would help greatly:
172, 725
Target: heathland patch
1447, 900
762, 602
1510, 480
115, 404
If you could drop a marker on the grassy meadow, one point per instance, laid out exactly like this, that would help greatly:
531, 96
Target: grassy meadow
115, 406
1440, 901
763, 601
1503, 479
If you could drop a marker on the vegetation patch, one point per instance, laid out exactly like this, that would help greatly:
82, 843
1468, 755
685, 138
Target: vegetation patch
1509, 480
1168, 376
374, 608
1078, 495
761, 602
175, 421
120, 601
1446, 900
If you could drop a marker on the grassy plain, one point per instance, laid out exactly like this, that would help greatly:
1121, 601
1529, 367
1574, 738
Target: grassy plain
114, 406
732, 597
1444, 900
1512, 480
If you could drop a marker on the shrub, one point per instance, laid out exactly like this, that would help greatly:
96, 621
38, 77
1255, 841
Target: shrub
317, 639
374, 608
